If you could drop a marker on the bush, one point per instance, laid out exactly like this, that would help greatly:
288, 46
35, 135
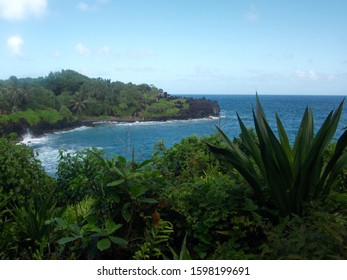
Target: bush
25, 203
118, 190
21, 173
189, 158
318, 235
216, 209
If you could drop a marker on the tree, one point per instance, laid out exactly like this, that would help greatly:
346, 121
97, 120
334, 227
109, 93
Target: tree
78, 104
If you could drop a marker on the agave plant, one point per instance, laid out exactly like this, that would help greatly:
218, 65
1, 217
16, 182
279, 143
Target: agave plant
293, 175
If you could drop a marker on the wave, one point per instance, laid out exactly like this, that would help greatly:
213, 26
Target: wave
49, 157
80, 128
29, 139
151, 123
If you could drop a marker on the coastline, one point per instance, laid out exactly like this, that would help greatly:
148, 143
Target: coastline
41, 131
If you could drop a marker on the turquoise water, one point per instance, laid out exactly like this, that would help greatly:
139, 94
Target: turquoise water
121, 138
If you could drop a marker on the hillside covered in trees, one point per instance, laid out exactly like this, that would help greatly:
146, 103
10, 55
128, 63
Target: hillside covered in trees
67, 99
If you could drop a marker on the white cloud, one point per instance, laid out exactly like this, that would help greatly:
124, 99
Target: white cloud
15, 44
85, 7
314, 76
310, 75
300, 74
82, 49
139, 69
252, 14
203, 71
138, 54
56, 53
22, 9
105, 50
103, 1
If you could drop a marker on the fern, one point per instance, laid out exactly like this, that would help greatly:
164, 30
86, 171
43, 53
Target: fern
156, 241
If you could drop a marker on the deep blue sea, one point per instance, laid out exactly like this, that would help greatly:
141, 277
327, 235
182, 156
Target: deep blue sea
121, 138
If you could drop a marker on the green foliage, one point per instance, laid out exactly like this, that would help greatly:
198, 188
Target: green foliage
120, 190
76, 213
69, 95
116, 185
102, 204
85, 241
21, 173
319, 235
4, 199
32, 236
66, 113
289, 176
216, 208
164, 108
156, 241
32, 117
189, 158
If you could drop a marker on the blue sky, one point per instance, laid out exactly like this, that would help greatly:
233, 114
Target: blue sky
182, 46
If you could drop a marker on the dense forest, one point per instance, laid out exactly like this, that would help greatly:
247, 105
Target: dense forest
252, 197
67, 98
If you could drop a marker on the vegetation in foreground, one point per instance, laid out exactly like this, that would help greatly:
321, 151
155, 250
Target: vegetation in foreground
253, 197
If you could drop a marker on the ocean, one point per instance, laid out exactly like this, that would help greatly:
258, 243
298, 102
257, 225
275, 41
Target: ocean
122, 138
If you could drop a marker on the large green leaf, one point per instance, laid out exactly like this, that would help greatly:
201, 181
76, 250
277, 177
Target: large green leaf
116, 183
65, 240
119, 241
111, 226
284, 140
278, 171
251, 145
103, 244
311, 168
241, 162
303, 139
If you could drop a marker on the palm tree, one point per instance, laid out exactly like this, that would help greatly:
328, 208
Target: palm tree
78, 104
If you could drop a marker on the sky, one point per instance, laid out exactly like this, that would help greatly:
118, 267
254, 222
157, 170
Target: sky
182, 46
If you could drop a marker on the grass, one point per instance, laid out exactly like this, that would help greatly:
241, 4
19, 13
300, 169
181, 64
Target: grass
33, 117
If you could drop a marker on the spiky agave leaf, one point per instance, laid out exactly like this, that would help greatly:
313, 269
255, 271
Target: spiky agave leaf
293, 175
237, 158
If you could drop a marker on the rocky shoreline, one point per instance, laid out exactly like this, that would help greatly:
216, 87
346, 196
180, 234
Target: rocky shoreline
21, 129
198, 109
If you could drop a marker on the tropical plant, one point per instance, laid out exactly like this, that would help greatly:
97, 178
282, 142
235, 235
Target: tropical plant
21, 173
78, 104
87, 240
156, 241
318, 235
215, 208
187, 159
289, 177
32, 233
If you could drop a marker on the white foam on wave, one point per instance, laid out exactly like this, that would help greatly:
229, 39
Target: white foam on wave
29, 139
151, 123
49, 158
81, 128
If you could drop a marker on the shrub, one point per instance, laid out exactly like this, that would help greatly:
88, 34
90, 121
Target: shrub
21, 173
216, 208
318, 235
